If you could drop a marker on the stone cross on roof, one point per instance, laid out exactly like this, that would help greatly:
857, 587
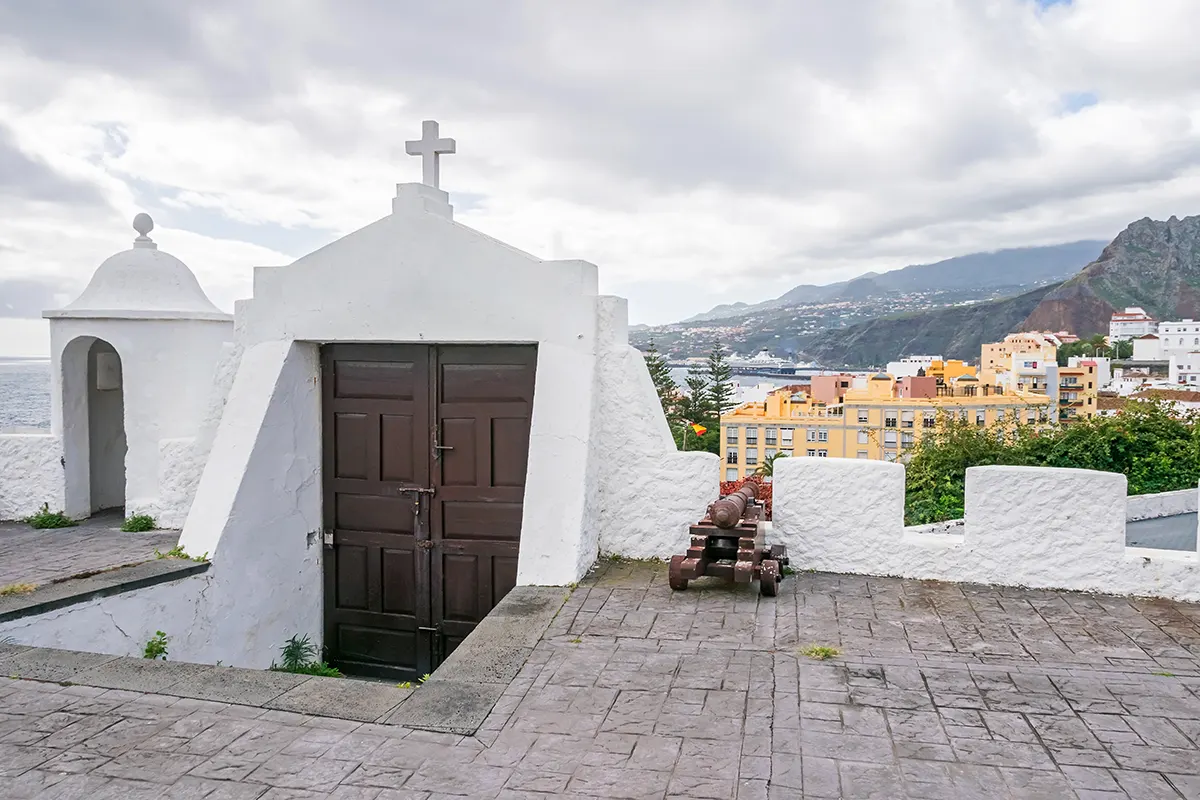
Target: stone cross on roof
429, 147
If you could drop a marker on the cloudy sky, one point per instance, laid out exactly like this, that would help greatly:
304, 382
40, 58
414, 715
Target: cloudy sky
699, 152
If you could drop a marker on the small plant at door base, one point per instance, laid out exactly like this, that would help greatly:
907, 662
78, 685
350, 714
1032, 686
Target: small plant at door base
820, 652
299, 656
425, 677
156, 648
49, 519
138, 523
404, 685
17, 588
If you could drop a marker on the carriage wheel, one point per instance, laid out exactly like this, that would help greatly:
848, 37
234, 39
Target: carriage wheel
675, 577
768, 578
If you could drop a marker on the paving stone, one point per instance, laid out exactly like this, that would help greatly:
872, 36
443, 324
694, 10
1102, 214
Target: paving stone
344, 698
941, 691
140, 674
44, 664
447, 706
249, 687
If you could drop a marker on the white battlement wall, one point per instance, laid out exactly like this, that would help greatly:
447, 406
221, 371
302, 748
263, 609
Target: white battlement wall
1024, 526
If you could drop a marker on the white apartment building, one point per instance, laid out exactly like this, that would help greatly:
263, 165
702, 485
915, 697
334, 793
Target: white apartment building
1184, 368
909, 367
1130, 324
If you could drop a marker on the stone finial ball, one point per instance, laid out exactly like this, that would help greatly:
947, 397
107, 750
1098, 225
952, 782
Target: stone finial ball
143, 224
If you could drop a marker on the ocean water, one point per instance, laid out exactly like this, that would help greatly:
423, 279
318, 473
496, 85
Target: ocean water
24, 394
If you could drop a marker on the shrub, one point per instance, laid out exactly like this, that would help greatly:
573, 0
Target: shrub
1156, 450
138, 523
299, 656
50, 519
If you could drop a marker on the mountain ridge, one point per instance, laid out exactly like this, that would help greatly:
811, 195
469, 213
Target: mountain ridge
1004, 267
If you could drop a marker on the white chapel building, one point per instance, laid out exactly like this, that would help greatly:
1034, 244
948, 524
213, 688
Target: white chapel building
389, 435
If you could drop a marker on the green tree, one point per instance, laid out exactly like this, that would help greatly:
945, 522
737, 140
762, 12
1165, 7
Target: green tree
697, 406
720, 381
664, 384
1155, 448
767, 468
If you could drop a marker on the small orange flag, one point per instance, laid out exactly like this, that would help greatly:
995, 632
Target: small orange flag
699, 430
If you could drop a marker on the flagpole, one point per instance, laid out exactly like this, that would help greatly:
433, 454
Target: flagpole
685, 430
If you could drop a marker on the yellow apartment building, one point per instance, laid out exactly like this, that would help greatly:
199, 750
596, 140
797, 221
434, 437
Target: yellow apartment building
1028, 362
875, 418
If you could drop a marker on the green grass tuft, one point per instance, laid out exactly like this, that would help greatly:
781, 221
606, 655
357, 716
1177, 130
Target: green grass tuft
138, 523
46, 519
820, 652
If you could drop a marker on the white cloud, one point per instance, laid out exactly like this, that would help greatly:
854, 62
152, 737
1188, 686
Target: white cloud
699, 153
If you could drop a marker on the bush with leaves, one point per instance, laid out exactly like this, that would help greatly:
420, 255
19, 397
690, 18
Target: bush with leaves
1155, 448
299, 656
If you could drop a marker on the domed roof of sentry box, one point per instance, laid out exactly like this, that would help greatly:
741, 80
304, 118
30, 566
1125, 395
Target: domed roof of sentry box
142, 283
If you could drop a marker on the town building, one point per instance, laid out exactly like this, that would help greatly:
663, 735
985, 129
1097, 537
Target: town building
876, 418
1078, 389
1147, 347
911, 365
1130, 324
1037, 345
1184, 368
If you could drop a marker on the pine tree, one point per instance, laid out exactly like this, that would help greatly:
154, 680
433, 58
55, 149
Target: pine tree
720, 378
698, 405
664, 384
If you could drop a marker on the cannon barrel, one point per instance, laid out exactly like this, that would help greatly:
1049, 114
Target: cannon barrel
728, 511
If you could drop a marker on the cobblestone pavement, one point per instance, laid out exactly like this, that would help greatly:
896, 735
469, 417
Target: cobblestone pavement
42, 556
940, 691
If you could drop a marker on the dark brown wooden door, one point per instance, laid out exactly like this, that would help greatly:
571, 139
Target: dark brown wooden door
425, 453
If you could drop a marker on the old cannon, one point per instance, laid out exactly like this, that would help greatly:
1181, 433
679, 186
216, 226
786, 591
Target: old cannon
728, 543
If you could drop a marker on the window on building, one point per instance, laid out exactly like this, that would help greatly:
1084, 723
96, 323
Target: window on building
862, 454
928, 419
1031, 415
999, 415
906, 439
752, 435
772, 437
751, 458
889, 419
769, 452
822, 453
731, 457
906, 419
822, 435
786, 437
980, 417
731, 435
890, 455
862, 416
1089, 384
1042, 416
864, 437
811, 452
731, 474
889, 438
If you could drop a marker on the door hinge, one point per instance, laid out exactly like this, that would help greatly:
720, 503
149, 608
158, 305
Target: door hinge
425, 544
327, 537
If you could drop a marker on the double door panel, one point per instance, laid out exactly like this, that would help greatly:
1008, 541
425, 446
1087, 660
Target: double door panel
425, 455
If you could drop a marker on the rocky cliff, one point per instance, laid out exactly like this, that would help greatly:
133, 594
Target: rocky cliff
1152, 264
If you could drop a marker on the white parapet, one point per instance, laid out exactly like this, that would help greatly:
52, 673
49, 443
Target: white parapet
31, 474
1024, 526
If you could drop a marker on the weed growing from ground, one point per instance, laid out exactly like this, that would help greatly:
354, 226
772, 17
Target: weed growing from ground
404, 685
156, 648
299, 656
138, 523
49, 519
820, 652
425, 677
177, 552
17, 588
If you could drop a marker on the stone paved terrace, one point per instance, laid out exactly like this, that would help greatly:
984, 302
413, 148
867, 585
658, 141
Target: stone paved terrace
96, 544
940, 691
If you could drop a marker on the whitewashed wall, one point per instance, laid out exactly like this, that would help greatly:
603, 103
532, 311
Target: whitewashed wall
649, 492
258, 519
31, 473
1024, 526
